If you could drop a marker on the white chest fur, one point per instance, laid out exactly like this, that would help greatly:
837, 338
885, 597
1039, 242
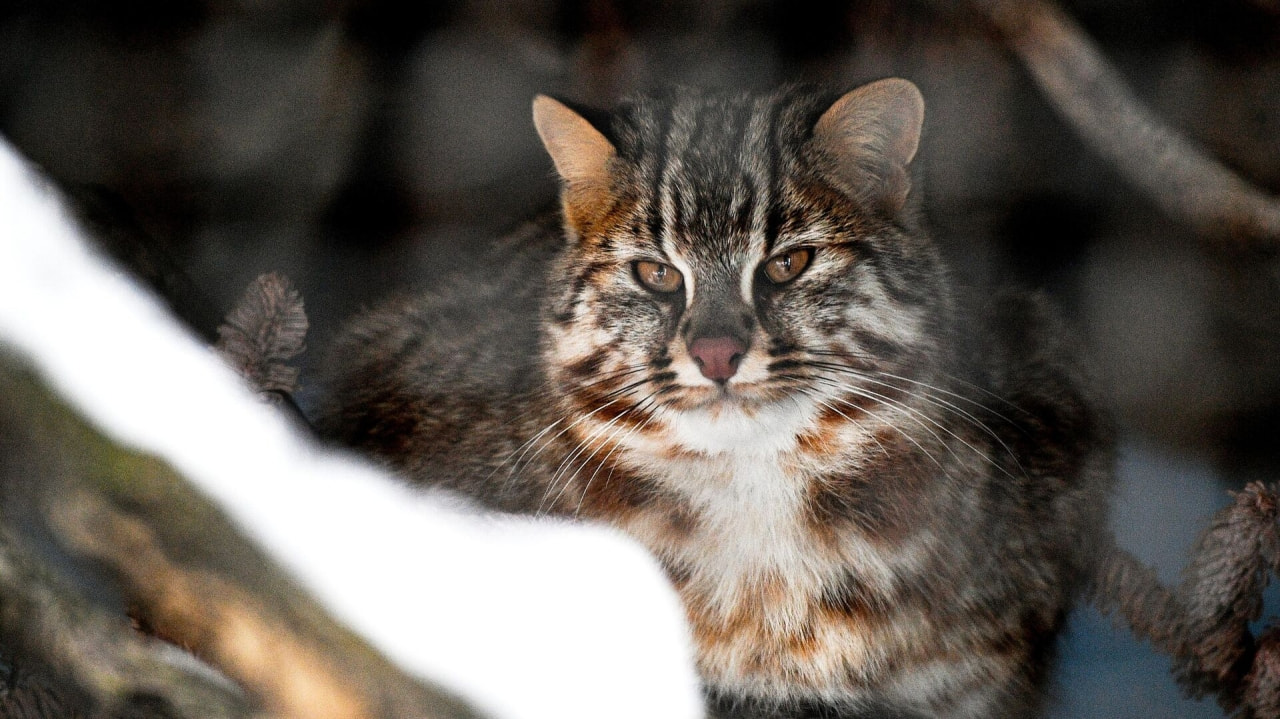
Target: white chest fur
755, 539
755, 562
741, 473
749, 508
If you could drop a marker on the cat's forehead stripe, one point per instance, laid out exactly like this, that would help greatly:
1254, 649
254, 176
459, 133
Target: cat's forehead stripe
653, 214
768, 222
670, 202
715, 189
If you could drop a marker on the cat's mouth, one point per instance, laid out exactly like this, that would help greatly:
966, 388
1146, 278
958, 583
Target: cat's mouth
741, 396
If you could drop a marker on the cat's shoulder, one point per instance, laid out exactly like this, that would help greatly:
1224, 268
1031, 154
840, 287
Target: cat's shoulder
1029, 346
1043, 392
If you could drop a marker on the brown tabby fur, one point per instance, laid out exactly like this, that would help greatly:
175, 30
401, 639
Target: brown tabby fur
888, 507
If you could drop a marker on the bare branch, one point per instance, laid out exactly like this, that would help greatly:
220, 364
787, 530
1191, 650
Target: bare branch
1221, 591
1125, 586
1262, 684
46, 621
1084, 87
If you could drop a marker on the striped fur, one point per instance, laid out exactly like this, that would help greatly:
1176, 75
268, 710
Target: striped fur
884, 512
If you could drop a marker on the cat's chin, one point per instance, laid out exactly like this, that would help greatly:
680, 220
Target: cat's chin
733, 420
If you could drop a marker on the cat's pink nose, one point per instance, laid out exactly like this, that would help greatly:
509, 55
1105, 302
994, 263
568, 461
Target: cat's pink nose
717, 357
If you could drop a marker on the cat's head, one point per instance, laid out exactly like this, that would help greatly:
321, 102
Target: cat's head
739, 264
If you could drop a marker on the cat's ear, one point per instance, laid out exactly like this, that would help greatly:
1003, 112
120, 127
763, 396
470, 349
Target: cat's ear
870, 135
581, 155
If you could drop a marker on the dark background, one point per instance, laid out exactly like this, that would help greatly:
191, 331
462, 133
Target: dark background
360, 146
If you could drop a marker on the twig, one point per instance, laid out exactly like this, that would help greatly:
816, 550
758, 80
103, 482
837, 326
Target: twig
1125, 586
266, 329
1221, 592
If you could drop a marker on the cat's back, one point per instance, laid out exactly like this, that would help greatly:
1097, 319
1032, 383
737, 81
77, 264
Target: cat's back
469, 341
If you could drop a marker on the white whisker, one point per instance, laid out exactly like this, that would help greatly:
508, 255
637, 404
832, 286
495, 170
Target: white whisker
916, 415
604, 460
566, 465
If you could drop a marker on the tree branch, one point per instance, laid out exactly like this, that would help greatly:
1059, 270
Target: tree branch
111, 668
1087, 91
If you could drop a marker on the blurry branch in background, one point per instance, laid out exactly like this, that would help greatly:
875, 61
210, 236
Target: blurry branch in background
1087, 90
185, 572
1204, 623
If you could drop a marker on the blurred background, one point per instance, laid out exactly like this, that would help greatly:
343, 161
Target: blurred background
365, 146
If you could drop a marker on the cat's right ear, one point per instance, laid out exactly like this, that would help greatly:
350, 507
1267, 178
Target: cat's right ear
581, 155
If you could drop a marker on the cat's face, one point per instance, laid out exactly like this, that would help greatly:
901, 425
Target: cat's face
737, 268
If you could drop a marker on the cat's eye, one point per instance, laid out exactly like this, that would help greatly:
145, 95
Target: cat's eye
658, 277
788, 265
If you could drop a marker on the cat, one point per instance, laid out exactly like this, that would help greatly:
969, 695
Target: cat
736, 343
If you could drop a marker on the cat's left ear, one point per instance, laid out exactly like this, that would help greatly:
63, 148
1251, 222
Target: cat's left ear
870, 135
581, 155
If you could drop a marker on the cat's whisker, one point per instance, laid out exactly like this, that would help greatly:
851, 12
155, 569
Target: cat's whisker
971, 418
566, 464
577, 448
916, 415
583, 448
613, 399
527, 445
1002, 400
616, 375
614, 448
959, 380
654, 409
970, 400
565, 468
889, 403
822, 402
522, 450
883, 421
920, 418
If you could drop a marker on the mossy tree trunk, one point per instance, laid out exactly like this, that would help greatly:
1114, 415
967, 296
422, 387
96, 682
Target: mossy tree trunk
93, 533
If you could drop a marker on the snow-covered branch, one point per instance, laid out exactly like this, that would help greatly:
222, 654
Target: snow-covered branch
412, 590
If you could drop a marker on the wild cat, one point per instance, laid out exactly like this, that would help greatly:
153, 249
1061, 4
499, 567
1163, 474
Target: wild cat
736, 344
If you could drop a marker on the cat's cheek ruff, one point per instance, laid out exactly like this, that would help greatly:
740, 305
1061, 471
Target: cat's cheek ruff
885, 328
568, 346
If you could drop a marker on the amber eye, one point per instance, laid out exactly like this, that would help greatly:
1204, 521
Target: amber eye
787, 266
658, 277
